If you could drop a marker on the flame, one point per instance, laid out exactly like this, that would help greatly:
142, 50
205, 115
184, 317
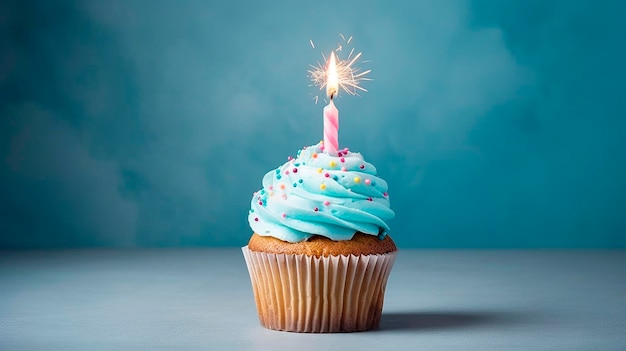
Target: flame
332, 81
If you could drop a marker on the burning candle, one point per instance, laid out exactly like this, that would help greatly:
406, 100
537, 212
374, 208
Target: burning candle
331, 114
335, 74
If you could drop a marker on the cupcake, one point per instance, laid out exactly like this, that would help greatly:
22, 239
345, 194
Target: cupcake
320, 255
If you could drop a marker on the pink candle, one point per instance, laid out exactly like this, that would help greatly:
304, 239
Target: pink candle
331, 128
331, 114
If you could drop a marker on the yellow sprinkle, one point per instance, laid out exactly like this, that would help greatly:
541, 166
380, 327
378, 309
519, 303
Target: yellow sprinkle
319, 170
333, 163
323, 186
357, 179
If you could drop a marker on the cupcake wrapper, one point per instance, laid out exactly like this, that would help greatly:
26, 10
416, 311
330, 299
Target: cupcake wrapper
309, 294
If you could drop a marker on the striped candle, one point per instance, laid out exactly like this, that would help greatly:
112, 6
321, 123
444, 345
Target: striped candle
331, 114
331, 128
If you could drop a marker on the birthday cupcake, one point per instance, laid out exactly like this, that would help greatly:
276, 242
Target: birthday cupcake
320, 255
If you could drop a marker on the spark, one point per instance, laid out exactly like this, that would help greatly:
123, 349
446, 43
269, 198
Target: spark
349, 73
312, 45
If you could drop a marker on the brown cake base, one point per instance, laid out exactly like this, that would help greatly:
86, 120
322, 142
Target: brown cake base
320, 285
360, 244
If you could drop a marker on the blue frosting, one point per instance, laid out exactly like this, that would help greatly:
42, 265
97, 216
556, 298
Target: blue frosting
316, 193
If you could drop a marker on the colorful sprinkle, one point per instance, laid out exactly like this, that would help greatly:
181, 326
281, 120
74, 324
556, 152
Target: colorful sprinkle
345, 151
385, 194
314, 155
289, 158
342, 159
321, 147
369, 199
339, 154
319, 170
286, 171
271, 187
278, 176
284, 196
326, 203
358, 180
335, 177
333, 163
316, 209
343, 169
300, 181
326, 175
295, 170
368, 182
295, 185
322, 186
282, 186
261, 203
271, 193
256, 219
284, 215
362, 166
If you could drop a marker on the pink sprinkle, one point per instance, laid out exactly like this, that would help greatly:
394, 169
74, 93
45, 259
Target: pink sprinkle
295, 170
345, 150
343, 169
369, 199
326, 175
289, 158
342, 159
339, 154
256, 219
385, 194
316, 209
287, 171
321, 147
326, 203
362, 166
368, 182
271, 187
260, 202
284, 215
285, 196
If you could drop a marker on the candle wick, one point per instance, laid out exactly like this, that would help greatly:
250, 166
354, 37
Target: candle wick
331, 96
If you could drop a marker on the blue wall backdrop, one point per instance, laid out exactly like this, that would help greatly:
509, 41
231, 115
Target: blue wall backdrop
150, 123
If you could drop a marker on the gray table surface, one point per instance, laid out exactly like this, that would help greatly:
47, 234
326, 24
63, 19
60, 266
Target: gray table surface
201, 299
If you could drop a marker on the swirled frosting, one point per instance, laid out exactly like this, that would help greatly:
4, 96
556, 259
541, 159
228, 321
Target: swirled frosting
316, 193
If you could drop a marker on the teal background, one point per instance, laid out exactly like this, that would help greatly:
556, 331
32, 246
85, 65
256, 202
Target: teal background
150, 123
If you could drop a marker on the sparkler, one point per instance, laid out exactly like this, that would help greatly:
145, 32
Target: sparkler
349, 73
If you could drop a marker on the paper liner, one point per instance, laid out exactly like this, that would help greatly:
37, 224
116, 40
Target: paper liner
309, 294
